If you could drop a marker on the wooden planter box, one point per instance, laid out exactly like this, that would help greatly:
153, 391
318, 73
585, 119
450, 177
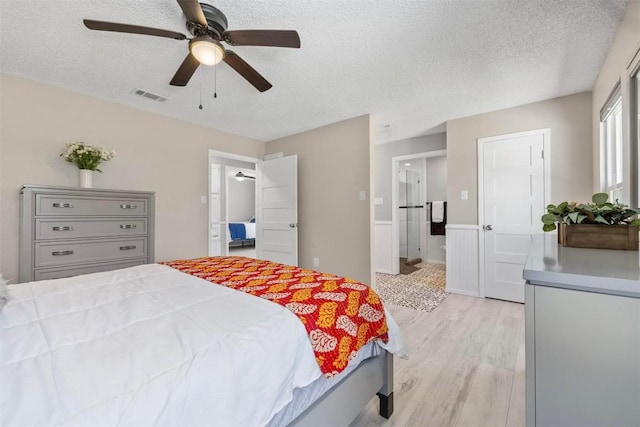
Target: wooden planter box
621, 236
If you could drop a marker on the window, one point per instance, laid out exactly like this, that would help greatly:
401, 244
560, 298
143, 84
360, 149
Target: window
611, 147
635, 134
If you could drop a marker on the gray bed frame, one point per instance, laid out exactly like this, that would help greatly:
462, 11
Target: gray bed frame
344, 401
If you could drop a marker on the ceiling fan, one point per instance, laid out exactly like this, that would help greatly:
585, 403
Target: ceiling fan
208, 26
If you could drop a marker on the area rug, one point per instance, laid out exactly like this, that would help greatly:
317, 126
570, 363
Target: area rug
423, 289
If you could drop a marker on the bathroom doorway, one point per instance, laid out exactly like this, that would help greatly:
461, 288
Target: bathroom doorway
411, 205
418, 180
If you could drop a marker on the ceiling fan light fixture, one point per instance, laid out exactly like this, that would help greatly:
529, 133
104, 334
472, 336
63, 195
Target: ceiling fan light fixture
206, 50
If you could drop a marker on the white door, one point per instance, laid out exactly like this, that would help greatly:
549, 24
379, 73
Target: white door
277, 206
512, 202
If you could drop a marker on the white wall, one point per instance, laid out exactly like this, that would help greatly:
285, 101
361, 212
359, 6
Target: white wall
154, 153
242, 199
334, 225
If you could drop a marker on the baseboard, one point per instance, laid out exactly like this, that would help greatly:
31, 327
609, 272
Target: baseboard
384, 271
462, 292
432, 261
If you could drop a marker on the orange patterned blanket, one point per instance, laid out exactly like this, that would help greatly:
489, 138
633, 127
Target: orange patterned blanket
341, 315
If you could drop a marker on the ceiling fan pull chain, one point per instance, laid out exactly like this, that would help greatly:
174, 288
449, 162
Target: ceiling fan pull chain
215, 77
200, 106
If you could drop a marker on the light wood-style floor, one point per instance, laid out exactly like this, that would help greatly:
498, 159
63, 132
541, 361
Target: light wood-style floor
465, 367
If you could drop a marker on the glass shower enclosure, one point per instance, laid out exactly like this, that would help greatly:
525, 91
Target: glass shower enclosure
410, 205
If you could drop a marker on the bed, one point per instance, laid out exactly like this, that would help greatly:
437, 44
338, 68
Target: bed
242, 234
161, 345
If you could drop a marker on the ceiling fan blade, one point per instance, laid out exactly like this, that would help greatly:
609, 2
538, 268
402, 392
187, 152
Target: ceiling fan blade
277, 38
186, 70
246, 71
133, 29
193, 11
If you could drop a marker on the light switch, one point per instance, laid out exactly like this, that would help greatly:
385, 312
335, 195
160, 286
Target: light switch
363, 195
203, 200
464, 195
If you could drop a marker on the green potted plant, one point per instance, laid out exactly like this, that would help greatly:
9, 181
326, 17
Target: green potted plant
600, 224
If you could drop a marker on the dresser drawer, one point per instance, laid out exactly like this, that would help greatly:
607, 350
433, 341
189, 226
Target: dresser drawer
60, 272
67, 206
73, 228
75, 252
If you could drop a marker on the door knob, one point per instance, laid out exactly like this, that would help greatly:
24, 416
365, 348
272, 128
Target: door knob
488, 227
293, 225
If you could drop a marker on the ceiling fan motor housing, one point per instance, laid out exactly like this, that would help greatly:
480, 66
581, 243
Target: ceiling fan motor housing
216, 23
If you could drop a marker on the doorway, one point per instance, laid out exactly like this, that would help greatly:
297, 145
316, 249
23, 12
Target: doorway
241, 211
513, 190
411, 226
226, 205
276, 206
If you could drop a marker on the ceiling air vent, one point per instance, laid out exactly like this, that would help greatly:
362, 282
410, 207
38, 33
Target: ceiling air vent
149, 95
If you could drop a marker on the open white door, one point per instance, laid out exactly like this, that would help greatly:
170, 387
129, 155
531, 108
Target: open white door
277, 207
512, 200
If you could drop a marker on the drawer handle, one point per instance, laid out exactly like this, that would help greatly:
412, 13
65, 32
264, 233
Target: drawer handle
128, 206
65, 228
128, 226
63, 205
56, 253
127, 248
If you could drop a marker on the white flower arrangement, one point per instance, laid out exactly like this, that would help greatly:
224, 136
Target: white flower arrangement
86, 156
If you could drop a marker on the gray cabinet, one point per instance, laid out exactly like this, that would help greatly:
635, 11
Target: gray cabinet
583, 359
69, 231
582, 336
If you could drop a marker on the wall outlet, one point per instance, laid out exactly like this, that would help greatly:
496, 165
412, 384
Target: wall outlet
379, 201
316, 262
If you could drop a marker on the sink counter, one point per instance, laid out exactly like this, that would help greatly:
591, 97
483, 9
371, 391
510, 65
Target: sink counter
606, 271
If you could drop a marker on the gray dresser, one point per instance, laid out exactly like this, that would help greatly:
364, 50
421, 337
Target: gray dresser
582, 336
70, 231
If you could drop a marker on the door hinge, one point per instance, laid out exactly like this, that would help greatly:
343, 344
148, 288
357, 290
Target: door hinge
542, 153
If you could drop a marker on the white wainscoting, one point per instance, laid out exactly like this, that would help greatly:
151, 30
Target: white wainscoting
462, 259
383, 248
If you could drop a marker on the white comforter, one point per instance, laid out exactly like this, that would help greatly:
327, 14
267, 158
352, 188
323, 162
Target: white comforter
148, 345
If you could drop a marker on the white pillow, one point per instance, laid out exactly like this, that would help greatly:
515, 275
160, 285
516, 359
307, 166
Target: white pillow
4, 294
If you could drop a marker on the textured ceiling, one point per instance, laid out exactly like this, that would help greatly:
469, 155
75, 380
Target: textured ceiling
412, 64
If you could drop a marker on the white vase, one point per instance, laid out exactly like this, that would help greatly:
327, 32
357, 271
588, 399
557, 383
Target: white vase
86, 178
